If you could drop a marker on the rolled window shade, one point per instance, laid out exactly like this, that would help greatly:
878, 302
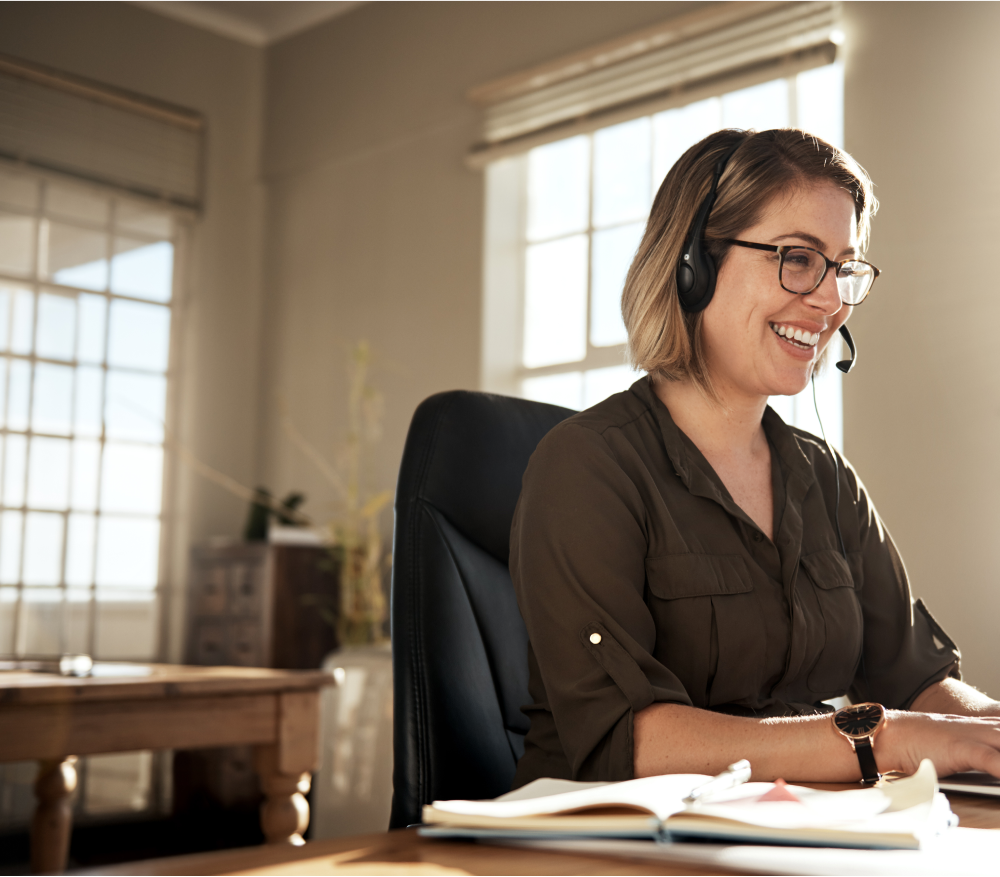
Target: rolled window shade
62, 123
725, 40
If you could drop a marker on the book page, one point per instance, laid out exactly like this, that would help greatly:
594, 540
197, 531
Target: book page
661, 796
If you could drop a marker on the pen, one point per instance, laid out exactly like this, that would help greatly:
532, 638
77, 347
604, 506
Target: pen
735, 775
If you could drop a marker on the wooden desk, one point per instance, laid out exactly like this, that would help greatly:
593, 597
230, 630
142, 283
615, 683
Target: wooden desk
403, 852
123, 707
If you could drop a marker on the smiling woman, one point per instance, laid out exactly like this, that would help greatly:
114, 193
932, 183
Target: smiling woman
697, 578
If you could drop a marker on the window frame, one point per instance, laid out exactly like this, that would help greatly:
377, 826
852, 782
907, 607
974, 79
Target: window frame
182, 223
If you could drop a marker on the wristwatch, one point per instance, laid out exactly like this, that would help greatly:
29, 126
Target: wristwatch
859, 724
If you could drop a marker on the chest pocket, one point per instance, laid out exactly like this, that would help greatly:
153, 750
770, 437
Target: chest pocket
842, 623
710, 630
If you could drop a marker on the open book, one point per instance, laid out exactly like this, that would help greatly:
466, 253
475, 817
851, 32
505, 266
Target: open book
897, 815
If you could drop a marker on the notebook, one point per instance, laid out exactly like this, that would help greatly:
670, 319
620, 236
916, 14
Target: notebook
898, 815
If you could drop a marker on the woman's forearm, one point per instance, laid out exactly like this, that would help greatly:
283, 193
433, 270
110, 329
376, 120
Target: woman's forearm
670, 738
955, 698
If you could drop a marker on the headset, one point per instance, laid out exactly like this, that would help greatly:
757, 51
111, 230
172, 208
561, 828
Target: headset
696, 271
696, 275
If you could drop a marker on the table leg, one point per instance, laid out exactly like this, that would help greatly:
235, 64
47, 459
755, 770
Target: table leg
284, 815
53, 819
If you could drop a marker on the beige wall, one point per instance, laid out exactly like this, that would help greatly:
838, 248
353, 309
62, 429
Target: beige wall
922, 411
375, 223
128, 47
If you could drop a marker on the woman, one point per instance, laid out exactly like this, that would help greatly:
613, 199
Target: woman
696, 577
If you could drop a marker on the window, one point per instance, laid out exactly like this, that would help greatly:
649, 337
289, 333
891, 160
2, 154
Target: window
564, 220
86, 286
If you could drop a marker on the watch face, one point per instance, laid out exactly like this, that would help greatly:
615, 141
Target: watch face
859, 720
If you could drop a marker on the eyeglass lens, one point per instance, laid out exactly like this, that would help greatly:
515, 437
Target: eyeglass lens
802, 271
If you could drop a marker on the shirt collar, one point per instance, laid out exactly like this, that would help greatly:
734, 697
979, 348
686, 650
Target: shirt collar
697, 473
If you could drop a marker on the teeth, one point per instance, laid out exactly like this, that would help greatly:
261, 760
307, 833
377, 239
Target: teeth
796, 335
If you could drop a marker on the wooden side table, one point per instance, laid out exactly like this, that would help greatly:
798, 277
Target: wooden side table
123, 707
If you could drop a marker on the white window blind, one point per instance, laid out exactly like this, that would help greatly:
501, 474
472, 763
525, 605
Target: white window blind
635, 75
62, 123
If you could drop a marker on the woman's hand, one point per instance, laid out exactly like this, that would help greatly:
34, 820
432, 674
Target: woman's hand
953, 742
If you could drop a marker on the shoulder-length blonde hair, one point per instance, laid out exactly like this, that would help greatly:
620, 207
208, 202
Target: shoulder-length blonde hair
663, 339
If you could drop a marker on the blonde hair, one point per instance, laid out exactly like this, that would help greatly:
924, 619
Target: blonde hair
663, 339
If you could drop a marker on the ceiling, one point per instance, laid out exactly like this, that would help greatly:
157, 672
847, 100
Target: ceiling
255, 24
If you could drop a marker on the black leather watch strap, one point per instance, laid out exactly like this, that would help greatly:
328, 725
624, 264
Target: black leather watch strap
866, 758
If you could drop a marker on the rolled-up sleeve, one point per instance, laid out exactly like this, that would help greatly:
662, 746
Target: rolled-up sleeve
905, 649
578, 547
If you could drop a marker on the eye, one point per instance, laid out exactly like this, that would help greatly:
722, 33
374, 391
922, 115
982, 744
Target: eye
798, 259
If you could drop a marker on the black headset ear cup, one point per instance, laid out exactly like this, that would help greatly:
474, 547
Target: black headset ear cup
695, 278
696, 269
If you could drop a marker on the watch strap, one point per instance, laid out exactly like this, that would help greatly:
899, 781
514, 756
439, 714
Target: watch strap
866, 758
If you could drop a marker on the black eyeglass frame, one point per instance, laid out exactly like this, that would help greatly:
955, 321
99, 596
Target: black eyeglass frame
784, 248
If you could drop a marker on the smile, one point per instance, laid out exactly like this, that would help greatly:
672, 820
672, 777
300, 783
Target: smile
796, 337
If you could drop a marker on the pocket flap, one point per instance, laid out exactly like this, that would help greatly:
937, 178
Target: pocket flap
673, 576
828, 570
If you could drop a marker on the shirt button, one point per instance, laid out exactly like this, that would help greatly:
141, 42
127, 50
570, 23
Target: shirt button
757, 537
595, 638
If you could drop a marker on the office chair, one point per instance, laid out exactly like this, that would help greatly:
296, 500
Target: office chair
459, 646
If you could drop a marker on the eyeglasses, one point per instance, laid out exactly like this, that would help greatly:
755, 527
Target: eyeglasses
802, 269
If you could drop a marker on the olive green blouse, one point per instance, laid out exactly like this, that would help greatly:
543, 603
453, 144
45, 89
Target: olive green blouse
641, 581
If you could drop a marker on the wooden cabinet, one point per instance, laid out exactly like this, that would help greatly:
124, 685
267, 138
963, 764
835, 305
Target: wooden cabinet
261, 605
251, 605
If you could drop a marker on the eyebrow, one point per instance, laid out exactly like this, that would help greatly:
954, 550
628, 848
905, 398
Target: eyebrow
811, 238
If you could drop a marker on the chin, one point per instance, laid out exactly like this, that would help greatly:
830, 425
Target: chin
789, 386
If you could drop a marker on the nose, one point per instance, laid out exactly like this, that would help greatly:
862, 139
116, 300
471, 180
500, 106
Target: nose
826, 296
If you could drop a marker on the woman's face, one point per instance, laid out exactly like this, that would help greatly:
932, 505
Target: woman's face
744, 352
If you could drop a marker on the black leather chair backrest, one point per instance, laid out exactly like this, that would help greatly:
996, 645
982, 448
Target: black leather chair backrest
459, 646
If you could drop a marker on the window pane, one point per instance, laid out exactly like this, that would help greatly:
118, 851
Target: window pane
675, 131
139, 336
599, 383
613, 252
41, 618
136, 216
43, 536
17, 235
622, 173
131, 478
558, 175
820, 102
8, 609
565, 389
127, 553
86, 468
52, 411
80, 550
760, 106
18, 394
48, 473
126, 626
555, 302
89, 392
15, 460
56, 326
10, 542
3, 392
74, 203
143, 270
78, 608
77, 256
17, 190
93, 319
22, 323
135, 406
